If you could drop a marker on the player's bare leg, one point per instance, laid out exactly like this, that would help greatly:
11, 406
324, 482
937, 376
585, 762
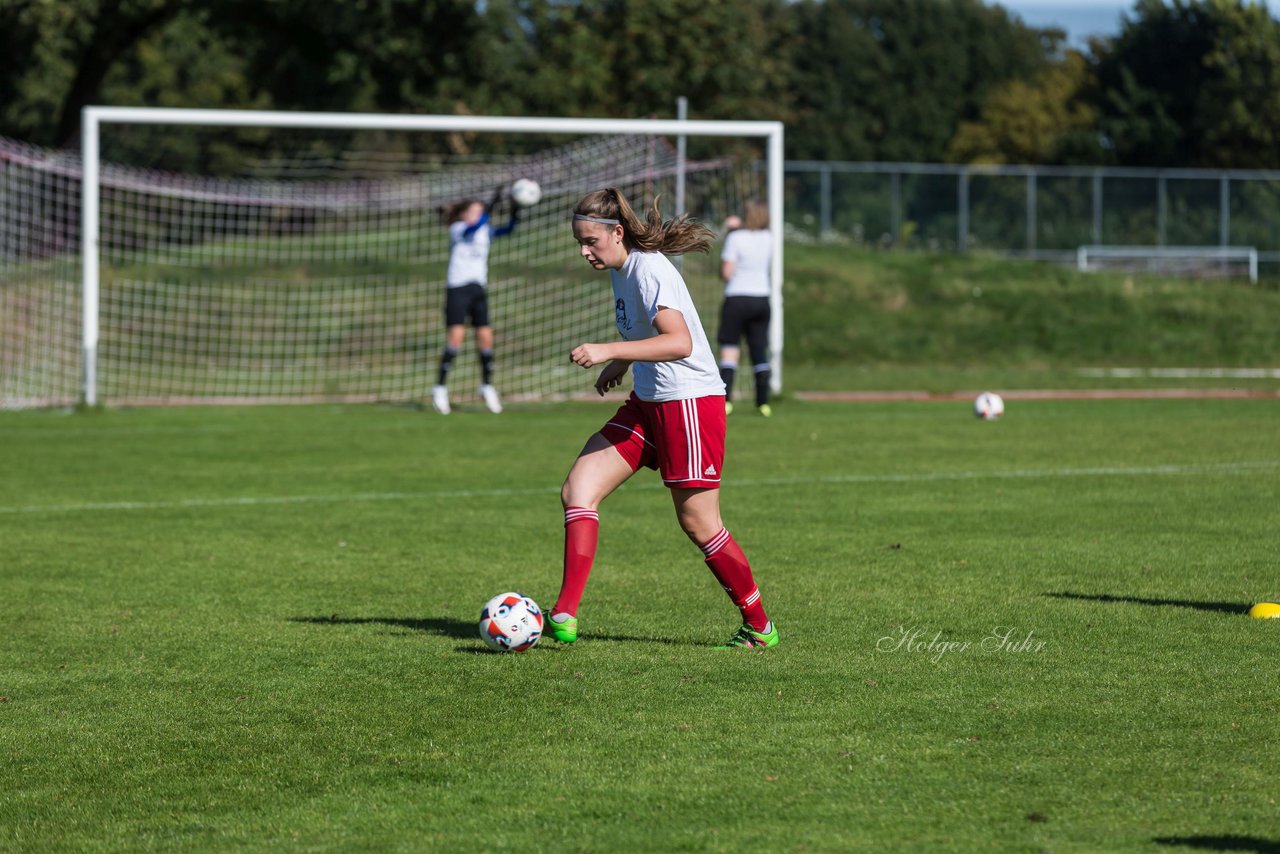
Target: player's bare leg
699, 513
729, 356
597, 472
489, 394
454, 336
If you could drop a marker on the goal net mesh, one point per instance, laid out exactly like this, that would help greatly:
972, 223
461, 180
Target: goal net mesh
319, 277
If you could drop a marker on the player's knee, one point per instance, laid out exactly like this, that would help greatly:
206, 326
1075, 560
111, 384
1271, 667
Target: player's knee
699, 529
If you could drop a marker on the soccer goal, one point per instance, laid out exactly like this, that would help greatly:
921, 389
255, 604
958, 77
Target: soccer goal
1198, 261
315, 271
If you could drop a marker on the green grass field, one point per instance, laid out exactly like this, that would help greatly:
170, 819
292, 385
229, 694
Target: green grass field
254, 629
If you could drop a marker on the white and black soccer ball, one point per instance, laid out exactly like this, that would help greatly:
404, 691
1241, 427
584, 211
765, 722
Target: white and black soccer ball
988, 406
525, 192
511, 622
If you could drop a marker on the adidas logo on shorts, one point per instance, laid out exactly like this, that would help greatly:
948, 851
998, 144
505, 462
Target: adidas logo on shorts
710, 472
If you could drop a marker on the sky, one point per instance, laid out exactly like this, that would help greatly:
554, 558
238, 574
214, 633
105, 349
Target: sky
1080, 18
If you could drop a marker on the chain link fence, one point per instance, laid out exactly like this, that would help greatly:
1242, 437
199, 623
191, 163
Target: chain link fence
1040, 212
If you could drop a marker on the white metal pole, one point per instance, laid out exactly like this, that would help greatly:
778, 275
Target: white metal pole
682, 142
682, 146
775, 273
397, 121
89, 198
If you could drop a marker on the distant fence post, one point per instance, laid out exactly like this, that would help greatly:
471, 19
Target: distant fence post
1224, 211
1097, 207
962, 220
824, 201
1162, 208
895, 207
1031, 211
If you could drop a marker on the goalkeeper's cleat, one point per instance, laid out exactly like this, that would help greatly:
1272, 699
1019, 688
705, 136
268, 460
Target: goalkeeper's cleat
749, 638
440, 399
491, 400
728, 407
765, 409
562, 627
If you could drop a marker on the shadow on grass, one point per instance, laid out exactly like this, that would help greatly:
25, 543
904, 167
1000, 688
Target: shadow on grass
447, 626
1230, 842
462, 629
1220, 607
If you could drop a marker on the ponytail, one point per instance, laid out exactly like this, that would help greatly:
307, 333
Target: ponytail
674, 237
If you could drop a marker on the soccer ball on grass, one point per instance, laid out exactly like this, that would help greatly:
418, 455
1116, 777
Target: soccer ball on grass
988, 406
525, 192
511, 622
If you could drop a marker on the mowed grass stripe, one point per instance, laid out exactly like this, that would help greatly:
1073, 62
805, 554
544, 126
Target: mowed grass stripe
1247, 467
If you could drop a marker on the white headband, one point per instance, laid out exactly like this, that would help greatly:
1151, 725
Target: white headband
600, 220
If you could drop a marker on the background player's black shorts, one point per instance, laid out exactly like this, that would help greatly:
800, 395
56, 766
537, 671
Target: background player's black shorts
743, 316
466, 300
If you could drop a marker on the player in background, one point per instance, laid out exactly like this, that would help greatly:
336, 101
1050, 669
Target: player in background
744, 265
466, 294
674, 419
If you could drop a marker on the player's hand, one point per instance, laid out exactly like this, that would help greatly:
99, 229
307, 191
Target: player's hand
497, 197
611, 376
590, 355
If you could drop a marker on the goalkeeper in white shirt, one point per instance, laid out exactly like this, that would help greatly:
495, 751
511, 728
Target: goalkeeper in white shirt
466, 295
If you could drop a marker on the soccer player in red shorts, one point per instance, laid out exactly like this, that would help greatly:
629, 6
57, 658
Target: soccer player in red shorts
673, 421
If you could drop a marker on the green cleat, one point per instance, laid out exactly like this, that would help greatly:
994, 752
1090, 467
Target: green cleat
728, 407
749, 638
765, 409
565, 631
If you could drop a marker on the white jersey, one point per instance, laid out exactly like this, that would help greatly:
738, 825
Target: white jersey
750, 251
468, 255
648, 280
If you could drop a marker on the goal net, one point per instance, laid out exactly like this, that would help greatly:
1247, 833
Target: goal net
1194, 261
318, 274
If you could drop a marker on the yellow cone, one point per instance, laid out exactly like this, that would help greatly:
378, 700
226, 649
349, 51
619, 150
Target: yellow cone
1265, 610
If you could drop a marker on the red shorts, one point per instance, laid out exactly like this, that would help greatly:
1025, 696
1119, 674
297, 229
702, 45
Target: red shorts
682, 439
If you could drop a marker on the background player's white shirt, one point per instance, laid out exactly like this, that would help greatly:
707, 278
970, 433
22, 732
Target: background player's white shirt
468, 257
750, 251
648, 280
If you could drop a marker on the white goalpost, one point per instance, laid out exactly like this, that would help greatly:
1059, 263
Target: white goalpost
1199, 261
274, 289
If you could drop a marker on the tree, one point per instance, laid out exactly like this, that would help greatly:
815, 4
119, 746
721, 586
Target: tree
1046, 120
1193, 83
892, 79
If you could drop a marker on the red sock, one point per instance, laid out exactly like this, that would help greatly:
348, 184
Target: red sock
581, 532
731, 569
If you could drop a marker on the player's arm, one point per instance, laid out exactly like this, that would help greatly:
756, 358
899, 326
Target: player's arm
611, 376
672, 343
726, 270
470, 231
504, 230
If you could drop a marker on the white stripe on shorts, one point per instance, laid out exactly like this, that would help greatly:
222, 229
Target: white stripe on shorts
693, 437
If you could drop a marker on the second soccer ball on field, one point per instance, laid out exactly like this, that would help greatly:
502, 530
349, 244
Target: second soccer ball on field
988, 406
